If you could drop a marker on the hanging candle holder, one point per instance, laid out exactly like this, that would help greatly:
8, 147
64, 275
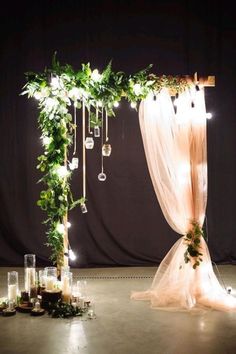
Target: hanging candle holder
74, 164
89, 143
106, 149
96, 131
83, 208
102, 176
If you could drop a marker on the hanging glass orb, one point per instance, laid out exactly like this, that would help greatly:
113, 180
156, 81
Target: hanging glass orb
83, 208
102, 177
106, 149
96, 131
89, 143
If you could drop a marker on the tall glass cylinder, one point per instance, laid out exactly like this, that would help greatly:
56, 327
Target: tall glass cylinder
30, 273
66, 286
50, 278
12, 282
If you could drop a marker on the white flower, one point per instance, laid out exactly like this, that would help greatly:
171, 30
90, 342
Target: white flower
50, 103
137, 89
95, 76
75, 93
56, 83
62, 171
46, 140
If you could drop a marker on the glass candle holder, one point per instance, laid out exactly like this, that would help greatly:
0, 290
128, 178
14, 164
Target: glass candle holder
30, 273
102, 177
89, 143
106, 149
66, 286
83, 208
96, 131
42, 278
50, 278
12, 282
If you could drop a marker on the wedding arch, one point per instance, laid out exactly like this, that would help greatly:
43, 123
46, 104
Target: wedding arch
172, 117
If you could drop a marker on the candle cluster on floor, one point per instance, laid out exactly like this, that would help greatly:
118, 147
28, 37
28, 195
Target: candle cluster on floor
46, 292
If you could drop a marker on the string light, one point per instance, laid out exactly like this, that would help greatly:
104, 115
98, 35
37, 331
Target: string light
68, 224
116, 104
72, 255
60, 228
208, 115
133, 104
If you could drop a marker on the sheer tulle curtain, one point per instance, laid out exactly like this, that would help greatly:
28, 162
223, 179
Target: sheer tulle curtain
175, 148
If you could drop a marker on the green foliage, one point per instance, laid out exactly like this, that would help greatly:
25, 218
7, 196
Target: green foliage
57, 89
193, 241
64, 310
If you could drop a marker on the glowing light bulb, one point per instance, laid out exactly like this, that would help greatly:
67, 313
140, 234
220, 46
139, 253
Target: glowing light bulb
62, 171
60, 228
37, 95
83, 208
72, 255
229, 289
133, 104
68, 224
116, 104
96, 76
208, 115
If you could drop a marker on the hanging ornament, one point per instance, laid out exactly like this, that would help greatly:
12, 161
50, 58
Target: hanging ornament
106, 149
102, 177
96, 128
96, 131
83, 208
89, 143
74, 163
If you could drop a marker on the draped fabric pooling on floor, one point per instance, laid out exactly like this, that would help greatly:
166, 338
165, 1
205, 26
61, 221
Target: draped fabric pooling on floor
176, 154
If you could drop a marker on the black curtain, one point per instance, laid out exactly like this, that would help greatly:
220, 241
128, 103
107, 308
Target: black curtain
124, 225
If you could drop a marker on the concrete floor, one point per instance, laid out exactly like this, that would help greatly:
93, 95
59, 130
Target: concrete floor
122, 326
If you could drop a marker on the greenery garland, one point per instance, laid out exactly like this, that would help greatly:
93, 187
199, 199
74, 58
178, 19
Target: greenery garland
193, 241
57, 89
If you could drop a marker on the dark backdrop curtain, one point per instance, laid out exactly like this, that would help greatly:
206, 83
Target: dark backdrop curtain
124, 225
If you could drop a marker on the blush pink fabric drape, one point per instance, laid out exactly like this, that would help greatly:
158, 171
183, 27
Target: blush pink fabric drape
176, 154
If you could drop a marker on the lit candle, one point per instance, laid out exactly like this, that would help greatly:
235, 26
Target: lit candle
50, 283
29, 278
12, 292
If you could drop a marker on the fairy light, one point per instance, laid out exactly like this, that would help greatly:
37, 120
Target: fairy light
37, 95
208, 115
60, 228
116, 104
133, 104
72, 255
68, 224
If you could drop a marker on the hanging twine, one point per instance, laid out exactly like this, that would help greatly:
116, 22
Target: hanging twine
75, 129
102, 141
84, 150
106, 120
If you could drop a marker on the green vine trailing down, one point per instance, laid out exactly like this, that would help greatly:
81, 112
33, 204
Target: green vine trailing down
193, 240
59, 88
